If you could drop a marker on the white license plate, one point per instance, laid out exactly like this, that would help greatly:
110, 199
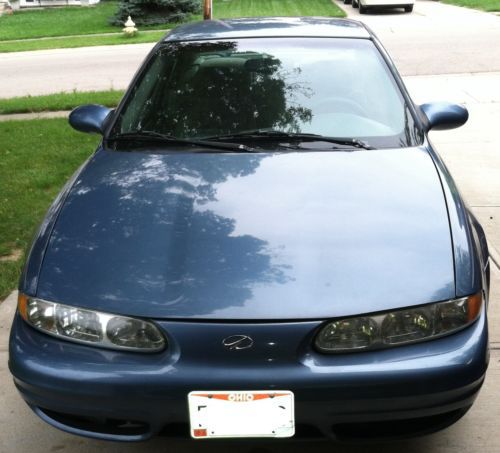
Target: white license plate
259, 413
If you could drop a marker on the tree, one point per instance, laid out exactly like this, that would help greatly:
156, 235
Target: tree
150, 12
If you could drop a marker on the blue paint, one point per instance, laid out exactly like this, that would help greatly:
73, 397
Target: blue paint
270, 245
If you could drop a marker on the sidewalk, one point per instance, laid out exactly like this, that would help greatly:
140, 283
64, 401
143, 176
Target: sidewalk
88, 35
33, 116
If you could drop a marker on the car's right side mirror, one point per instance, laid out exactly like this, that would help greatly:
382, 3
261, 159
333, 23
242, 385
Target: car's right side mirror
90, 118
441, 116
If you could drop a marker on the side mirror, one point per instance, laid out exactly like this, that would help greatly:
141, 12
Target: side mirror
90, 118
443, 115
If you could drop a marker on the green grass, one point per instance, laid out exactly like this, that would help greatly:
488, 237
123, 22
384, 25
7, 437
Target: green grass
64, 21
68, 21
9, 275
59, 101
57, 22
54, 151
251, 8
77, 41
484, 5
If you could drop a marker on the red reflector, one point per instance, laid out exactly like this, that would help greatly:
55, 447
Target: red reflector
199, 432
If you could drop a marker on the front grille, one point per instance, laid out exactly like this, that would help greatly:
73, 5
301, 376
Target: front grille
99, 425
393, 429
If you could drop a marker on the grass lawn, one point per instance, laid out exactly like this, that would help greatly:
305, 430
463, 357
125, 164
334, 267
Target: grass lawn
251, 8
485, 5
57, 22
64, 21
78, 41
54, 151
59, 101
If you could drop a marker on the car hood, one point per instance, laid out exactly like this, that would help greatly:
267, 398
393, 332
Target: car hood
295, 235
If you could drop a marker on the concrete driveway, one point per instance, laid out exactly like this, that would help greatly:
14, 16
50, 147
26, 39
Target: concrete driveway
445, 53
436, 38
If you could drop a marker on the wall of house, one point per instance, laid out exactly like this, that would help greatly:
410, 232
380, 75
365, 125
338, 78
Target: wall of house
34, 3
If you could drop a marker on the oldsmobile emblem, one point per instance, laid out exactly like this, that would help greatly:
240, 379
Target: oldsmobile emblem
237, 342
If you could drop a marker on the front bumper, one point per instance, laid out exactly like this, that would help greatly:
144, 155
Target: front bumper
128, 396
388, 3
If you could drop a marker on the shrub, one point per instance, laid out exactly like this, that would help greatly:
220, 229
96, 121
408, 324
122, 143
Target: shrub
153, 12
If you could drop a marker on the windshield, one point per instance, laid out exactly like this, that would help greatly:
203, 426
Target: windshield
327, 86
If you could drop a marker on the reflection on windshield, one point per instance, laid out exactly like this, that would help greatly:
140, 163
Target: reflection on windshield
331, 87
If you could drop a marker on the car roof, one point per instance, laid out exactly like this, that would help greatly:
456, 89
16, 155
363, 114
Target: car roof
269, 27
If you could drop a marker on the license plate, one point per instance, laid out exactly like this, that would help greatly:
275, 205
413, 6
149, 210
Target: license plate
241, 414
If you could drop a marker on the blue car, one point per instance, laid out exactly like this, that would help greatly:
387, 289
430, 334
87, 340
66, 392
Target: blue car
265, 244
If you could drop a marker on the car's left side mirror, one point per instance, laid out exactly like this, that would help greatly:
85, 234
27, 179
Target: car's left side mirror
90, 118
443, 115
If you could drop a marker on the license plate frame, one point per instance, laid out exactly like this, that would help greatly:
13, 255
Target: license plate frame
241, 414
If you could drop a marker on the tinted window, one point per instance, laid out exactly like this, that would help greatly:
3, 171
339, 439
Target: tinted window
334, 87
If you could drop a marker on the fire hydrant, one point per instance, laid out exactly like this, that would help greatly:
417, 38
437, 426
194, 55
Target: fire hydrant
130, 29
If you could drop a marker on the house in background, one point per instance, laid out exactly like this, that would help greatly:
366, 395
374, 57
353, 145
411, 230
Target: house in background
45, 3
16, 4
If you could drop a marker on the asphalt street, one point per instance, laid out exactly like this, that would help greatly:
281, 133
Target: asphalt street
81, 69
445, 53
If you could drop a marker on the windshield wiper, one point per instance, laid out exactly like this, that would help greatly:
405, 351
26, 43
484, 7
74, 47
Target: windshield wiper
293, 136
145, 135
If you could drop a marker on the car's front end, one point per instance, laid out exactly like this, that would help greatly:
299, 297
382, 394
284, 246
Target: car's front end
118, 395
384, 368
203, 270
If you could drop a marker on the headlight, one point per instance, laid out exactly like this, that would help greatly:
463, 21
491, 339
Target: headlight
382, 330
91, 327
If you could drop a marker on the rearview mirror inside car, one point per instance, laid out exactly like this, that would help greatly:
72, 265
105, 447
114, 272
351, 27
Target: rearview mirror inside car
443, 115
90, 118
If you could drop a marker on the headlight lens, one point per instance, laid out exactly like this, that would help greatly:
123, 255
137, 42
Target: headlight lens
398, 327
91, 327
